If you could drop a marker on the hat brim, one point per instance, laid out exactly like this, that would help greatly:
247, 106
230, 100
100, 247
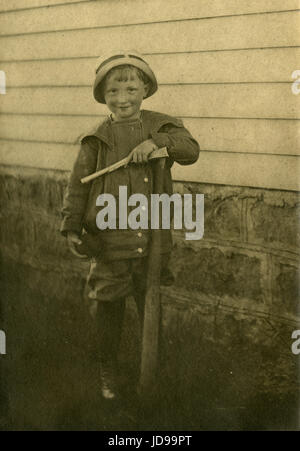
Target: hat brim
138, 63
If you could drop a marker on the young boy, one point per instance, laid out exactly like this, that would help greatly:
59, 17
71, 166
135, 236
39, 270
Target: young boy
118, 267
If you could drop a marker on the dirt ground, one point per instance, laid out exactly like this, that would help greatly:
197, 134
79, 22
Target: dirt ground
62, 393
49, 378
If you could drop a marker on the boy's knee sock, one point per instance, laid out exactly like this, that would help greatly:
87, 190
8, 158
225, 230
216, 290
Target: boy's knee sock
110, 320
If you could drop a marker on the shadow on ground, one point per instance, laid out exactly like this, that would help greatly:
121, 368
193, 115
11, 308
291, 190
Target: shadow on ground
54, 393
50, 376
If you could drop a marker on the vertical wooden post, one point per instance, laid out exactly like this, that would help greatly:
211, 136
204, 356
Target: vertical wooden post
149, 360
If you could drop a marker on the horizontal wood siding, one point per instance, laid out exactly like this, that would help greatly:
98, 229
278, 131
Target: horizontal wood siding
220, 33
227, 135
97, 14
274, 100
18, 5
231, 66
211, 166
224, 67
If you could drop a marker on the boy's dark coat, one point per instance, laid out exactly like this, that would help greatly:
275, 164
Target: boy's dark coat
97, 151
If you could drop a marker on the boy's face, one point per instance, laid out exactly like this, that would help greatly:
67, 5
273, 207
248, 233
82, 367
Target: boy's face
124, 98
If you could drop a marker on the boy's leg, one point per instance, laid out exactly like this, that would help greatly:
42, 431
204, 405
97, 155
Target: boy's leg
109, 323
109, 283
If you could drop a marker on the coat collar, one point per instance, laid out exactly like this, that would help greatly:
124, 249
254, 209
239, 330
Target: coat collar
152, 121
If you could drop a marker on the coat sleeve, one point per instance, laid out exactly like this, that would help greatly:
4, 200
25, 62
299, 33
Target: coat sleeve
76, 196
182, 147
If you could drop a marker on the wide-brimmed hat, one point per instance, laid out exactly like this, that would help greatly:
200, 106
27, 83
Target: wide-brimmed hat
107, 62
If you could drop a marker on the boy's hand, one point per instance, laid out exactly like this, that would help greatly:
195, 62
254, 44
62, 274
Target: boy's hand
143, 150
74, 239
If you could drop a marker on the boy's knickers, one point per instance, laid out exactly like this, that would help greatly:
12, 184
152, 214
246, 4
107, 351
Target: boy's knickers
111, 280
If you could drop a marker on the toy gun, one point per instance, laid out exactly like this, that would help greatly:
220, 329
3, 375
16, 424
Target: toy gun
158, 153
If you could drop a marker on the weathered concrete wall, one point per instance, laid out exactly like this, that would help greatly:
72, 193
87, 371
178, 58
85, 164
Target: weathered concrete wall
227, 320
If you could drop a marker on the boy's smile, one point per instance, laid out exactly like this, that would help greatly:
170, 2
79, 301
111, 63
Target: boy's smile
124, 98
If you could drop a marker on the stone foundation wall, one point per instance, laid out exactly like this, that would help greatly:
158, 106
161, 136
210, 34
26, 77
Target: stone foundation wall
227, 319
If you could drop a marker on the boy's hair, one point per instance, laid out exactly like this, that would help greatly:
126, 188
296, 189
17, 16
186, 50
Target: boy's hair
124, 73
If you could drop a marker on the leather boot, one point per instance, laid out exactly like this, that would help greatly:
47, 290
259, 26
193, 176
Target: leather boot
108, 379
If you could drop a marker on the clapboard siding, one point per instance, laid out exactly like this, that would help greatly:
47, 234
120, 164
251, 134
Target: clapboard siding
99, 13
17, 5
279, 137
260, 65
38, 155
244, 170
205, 7
212, 167
225, 65
239, 32
271, 100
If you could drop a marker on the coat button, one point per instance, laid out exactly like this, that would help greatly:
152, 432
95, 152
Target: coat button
146, 180
140, 234
140, 250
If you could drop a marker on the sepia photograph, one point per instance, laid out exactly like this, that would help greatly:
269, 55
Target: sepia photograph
153, 145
